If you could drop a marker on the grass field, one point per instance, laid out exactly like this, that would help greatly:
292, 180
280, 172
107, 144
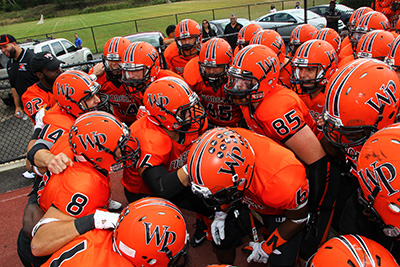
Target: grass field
170, 12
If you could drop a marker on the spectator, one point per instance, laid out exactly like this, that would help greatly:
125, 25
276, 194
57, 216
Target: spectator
297, 6
18, 68
332, 16
207, 31
273, 9
231, 29
78, 41
170, 35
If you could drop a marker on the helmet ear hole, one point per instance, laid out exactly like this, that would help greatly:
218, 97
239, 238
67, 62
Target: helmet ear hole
161, 117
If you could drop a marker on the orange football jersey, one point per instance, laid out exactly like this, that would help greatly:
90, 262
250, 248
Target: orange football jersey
35, 97
57, 122
77, 191
316, 108
345, 52
176, 62
156, 148
94, 248
279, 181
279, 115
219, 111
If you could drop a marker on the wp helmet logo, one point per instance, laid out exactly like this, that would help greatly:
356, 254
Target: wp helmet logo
167, 238
65, 90
158, 100
381, 174
94, 140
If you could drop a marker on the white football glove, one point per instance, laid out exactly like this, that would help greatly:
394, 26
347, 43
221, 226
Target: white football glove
218, 227
258, 254
39, 118
105, 219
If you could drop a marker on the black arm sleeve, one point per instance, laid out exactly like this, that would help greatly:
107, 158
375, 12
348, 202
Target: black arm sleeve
31, 153
162, 183
317, 177
36, 133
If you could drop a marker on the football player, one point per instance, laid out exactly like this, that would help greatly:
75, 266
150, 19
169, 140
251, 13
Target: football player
373, 20
353, 250
393, 57
109, 76
299, 35
362, 98
101, 144
187, 45
174, 119
148, 232
245, 35
273, 40
278, 113
375, 44
346, 45
230, 166
140, 67
47, 69
376, 167
207, 76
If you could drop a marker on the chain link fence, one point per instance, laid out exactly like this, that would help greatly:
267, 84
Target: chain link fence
15, 133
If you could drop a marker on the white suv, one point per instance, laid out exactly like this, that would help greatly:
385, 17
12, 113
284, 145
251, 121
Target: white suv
63, 49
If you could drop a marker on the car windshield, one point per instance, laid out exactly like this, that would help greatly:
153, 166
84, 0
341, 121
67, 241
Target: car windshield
300, 14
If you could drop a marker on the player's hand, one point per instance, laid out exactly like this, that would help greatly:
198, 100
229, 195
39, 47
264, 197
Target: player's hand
98, 69
59, 163
105, 219
258, 254
218, 227
18, 112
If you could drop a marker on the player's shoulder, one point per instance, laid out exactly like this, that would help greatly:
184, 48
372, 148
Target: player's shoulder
171, 50
144, 128
191, 73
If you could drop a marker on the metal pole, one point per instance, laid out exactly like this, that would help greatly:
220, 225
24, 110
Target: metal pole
213, 14
283, 5
305, 11
94, 40
176, 19
248, 10
137, 30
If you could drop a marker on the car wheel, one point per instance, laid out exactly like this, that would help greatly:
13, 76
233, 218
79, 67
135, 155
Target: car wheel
89, 57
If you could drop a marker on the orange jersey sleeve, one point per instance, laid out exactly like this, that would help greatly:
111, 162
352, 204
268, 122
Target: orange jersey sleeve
345, 52
36, 97
56, 123
279, 182
176, 62
94, 248
279, 115
78, 191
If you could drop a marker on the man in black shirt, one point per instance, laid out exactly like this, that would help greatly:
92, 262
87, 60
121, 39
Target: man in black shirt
332, 16
231, 31
18, 69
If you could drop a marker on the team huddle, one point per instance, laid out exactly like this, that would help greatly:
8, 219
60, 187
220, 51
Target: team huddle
297, 151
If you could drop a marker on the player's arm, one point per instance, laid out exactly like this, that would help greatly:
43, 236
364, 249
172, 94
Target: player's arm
32, 212
308, 149
57, 229
162, 183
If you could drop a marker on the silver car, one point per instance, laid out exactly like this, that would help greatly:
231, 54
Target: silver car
286, 20
218, 25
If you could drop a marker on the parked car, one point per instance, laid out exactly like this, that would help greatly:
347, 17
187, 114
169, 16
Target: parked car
219, 25
154, 38
63, 49
345, 11
286, 20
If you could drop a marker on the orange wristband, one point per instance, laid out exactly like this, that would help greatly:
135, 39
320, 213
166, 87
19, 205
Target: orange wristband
274, 241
